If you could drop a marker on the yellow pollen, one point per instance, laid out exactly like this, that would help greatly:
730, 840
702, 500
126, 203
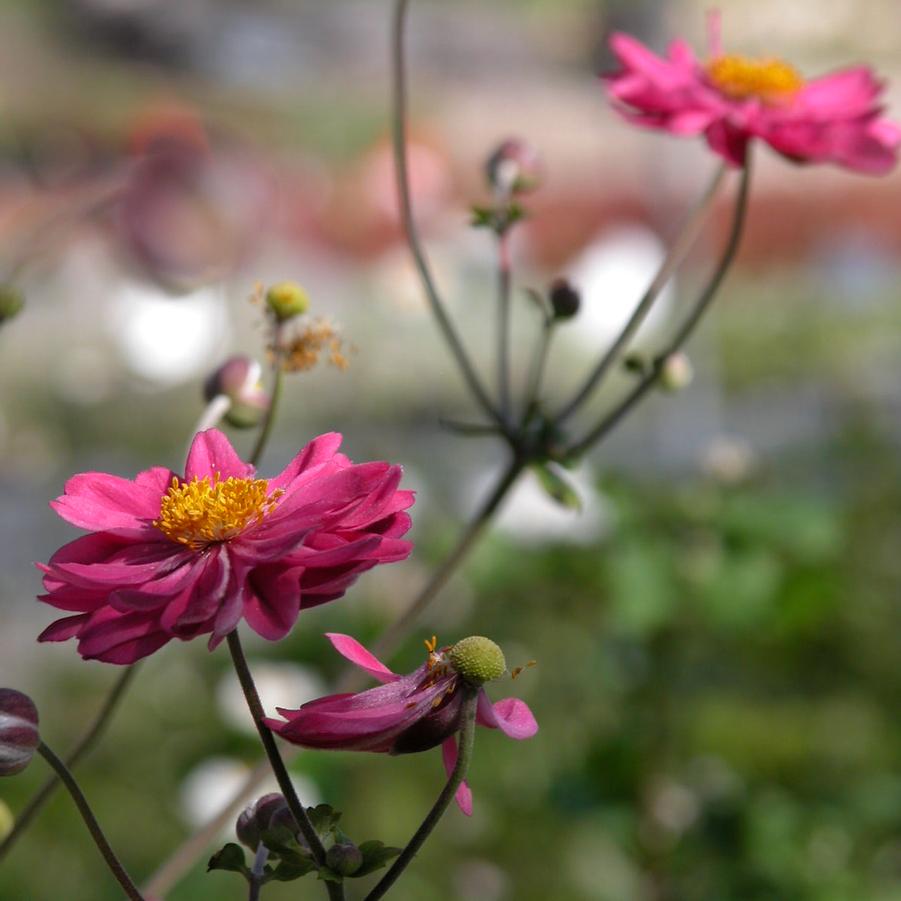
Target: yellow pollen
204, 511
743, 78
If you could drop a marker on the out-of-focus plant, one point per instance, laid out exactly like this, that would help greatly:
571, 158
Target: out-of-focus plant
169, 556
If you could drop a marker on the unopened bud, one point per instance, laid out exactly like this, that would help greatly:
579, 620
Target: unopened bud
287, 300
676, 372
238, 379
565, 299
257, 818
19, 737
514, 168
344, 858
478, 659
11, 302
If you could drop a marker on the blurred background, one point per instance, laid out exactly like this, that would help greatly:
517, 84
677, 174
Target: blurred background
717, 630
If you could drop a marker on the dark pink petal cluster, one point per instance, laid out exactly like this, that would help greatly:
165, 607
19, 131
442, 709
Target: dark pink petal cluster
230, 547
405, 714
731, 100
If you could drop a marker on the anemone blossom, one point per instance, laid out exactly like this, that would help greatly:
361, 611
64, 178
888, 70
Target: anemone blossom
733, 99
172, 556
405, 714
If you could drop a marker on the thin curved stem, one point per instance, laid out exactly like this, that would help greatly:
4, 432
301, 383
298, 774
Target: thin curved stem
85, 743
464, 756
257, 873
392, 636
278, 378
399, 135
536, 371
115, 866
279, 769
684, 332
503, 325
677, 253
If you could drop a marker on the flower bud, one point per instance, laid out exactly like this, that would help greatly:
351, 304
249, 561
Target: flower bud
676, 372
478, 659
258, 817
11, 302
287, 300
238, 379
514, 168
565, 299
19, 735
344, 858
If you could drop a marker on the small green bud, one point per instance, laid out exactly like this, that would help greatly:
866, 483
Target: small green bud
676, 372
287, 300
344, 858
11, 302
478, 659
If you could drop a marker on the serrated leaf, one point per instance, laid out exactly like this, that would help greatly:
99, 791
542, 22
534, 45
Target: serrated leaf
231, 858
557, 487
324, 819
282, 843
375, 855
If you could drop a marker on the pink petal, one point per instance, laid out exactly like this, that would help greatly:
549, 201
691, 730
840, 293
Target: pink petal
320, 450
463, 796
351, 649
211, 454
511, 715
65, 628
272, 602
102, 502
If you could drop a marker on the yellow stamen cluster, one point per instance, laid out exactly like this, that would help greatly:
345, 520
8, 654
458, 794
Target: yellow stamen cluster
205, 511
743, 78
303, 350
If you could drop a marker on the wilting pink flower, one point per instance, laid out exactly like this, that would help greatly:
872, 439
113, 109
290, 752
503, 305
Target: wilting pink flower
177, 557
405, 714
731, 99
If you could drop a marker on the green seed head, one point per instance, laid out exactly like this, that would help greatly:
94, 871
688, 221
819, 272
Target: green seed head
287, 300
478, 659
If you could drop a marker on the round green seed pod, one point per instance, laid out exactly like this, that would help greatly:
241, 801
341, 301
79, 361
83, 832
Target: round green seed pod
478, 659
287, 300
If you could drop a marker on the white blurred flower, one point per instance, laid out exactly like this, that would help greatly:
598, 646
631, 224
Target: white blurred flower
165, 339
530, 516
729, 459
214, 782
279, 685
611, 275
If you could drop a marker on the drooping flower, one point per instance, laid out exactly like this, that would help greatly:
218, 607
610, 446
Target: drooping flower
409, 713
733, 99
19, 736
173, 556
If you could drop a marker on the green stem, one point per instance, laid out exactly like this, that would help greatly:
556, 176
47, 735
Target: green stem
503, 325
116, 868
390, 639
279, 769
684, 332
677, 253
278, 378
399, 136
87, 741
536, 372
464, 756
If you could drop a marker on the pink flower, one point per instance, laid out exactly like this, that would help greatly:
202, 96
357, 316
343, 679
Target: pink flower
177, 557
405, 714
732, 99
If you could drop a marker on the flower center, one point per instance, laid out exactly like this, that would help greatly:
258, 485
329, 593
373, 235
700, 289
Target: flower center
742, 78
204, 511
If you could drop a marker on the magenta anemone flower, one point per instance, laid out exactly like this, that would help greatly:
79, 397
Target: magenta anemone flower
731, 99
406, 713
176, 557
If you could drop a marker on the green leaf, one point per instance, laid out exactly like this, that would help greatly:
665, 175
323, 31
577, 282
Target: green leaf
375, 855
231, 857
289, 870
557, 487
482, 217
324, 819
330, 875
282, 843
